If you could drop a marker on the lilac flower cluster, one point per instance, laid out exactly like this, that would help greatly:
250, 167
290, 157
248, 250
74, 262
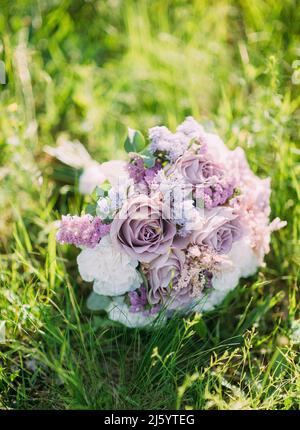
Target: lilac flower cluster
215, 195
139, 302
192, 129
172, 145
136, 169
81, 231
139, 173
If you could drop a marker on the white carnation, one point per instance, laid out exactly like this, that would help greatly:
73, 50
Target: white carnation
244, 258
119, 311
222, 283
113, 271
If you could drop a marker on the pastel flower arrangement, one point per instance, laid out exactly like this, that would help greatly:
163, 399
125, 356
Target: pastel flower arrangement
171, 230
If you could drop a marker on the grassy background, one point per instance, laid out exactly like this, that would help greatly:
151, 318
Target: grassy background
89, 69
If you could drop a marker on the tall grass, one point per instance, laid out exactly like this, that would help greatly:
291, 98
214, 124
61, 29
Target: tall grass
88, 70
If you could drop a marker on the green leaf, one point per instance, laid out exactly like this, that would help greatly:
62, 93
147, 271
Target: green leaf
135, 141
102, 190
99, 192
148, 158
96, 302
138, 141
201, 328
91, 208
128, 145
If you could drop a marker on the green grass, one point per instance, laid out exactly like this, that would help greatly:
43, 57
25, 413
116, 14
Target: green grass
88, 70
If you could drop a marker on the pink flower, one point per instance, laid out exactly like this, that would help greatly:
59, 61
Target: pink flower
197, 168
253, 205
141, 230
218, 230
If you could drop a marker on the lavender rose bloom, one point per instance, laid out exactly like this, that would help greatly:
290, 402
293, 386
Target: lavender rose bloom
164, 274
218, 230
197, 169
141, 230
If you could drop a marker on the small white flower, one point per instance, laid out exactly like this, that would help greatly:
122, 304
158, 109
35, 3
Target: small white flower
117, 195
104, 208
120, 193
113, 271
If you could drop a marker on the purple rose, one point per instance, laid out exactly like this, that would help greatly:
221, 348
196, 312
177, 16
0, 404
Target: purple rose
164, 274
197, 169
141, 230
219, 230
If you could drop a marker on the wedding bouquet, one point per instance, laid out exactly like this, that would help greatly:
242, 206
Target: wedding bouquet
171, 230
